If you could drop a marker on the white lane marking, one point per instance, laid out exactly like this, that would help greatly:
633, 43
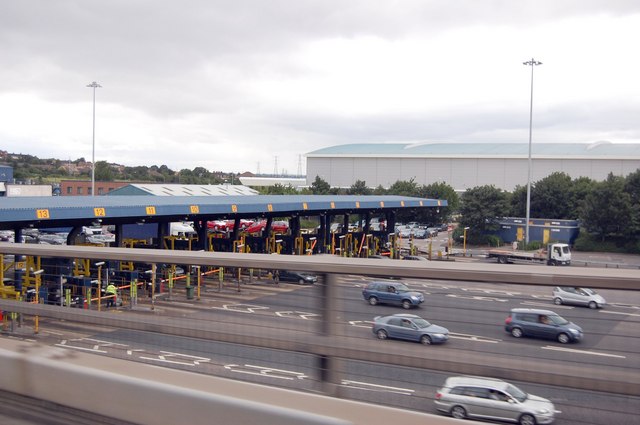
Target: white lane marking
361, 323
593, 353
473, 337
619, 312
167, 357
265, 371
374, 387
492, 291
566, 307
478, 298
635, 307
296, 314
241, 308
182, 304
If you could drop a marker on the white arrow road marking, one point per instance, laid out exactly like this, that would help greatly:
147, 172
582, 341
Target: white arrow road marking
474, 338
241, 308
361, 323
95, 348
265, 371
374, 387
619, 312
296, 314
478, 298
167, 357
571, 350
566, 307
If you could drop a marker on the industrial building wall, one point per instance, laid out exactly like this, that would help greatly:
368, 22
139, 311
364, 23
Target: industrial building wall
460, 173
29, 190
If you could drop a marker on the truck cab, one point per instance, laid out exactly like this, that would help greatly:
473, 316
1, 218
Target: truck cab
558, 254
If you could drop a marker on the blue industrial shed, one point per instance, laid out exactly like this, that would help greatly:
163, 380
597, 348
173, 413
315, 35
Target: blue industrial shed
544, 230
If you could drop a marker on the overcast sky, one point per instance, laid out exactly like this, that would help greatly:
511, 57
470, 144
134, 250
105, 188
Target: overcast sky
241, 85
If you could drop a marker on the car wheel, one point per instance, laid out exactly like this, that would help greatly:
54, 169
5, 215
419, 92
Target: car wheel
502, 260
516, 332
527, 419
593, 305
373, 300
382, 334
563, 338
301, 281
458, 412
425, 339
406, 304
557, 301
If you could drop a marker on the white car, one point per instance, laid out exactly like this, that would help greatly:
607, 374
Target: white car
580, 296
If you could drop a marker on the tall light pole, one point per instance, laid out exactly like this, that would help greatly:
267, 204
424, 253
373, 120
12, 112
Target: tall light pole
532, 63
94, 86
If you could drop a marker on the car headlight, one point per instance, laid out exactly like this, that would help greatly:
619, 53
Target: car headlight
438, 335
543, 411
413, 297
574, 331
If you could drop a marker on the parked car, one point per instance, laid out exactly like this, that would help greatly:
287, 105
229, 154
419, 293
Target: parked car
541, 324
432, 232
579, 296
392, 293
276, 226
409, 327
404, 232
487, 398
420, 233
294, 276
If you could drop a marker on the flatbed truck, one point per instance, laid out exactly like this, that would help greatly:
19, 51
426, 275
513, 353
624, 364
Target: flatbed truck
555, 254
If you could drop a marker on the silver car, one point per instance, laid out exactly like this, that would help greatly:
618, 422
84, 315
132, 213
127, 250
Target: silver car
493, 399
579, 296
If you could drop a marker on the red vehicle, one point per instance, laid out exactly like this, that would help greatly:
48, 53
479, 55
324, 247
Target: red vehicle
276, 226
228, 225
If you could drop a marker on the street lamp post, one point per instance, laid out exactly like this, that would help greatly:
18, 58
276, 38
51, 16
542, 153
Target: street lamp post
94, 86
530, 63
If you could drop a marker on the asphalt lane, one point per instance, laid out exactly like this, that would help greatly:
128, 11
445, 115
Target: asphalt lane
473, 313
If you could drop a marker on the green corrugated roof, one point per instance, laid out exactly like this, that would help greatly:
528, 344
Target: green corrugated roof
595, 150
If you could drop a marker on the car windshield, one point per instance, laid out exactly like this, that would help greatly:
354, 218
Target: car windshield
557, 320
401, 287
421, 323
516, 393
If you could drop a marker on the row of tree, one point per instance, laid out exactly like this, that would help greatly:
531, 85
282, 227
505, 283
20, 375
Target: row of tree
608, 210
29, 167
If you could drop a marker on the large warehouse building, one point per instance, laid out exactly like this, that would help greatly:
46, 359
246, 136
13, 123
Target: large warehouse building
467, 165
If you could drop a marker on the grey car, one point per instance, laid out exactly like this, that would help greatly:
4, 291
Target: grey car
409, 327
541, 324
392, 293
579, 296
492, 399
